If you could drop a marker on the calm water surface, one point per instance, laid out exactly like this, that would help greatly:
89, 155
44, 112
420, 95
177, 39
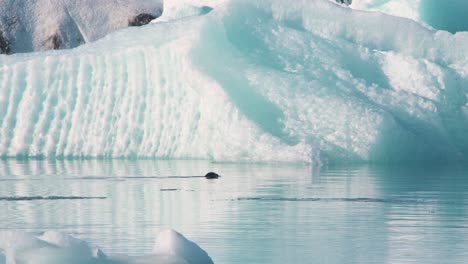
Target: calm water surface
253, 214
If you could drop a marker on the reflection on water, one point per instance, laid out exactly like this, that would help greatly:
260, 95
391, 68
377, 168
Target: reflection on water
253, 214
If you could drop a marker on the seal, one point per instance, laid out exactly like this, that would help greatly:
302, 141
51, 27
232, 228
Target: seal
212, 175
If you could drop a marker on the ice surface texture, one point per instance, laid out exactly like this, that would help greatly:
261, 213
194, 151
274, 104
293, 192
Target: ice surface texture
53, 247
260, 80
449, 15
402, 8
29, 25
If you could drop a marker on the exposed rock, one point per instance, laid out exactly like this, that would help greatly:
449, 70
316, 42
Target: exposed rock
53, 42
346, 2
4, 44
141, 20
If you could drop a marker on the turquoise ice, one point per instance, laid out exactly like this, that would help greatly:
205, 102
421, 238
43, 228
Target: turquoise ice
307, 81
447, 15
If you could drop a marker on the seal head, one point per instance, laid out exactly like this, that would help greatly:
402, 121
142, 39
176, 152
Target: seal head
212, 175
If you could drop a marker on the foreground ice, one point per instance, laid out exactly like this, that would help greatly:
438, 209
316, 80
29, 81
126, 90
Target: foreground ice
57, 248
267, 80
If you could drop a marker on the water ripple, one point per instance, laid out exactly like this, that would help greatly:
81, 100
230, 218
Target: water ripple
353, 200
36, 198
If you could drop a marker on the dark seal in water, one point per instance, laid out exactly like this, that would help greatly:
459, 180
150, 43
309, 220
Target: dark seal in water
212, 175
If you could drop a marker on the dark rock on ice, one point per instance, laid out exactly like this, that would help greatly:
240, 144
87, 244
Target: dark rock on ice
141, 20
346, 2
54, 42
4, 44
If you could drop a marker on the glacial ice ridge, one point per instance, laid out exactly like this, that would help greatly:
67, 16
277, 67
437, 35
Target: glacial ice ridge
267, 80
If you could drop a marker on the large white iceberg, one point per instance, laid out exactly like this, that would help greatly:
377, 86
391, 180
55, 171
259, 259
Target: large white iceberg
265, 80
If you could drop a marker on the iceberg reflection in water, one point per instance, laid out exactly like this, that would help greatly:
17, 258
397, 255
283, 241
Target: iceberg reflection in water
253, 214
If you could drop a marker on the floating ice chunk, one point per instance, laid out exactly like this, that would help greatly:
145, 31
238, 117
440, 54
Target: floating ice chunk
16, 243
74, 245
50, 248
57, 248
171, 243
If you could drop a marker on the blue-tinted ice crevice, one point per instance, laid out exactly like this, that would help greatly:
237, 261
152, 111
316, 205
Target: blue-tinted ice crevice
250, 81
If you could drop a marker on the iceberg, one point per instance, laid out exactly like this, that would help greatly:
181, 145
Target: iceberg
307, 81
172, 243
53, 247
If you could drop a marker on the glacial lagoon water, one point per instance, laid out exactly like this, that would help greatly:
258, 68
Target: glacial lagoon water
255, 213
302, 82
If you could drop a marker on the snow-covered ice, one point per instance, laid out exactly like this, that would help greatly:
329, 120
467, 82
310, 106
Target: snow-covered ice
30, 25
